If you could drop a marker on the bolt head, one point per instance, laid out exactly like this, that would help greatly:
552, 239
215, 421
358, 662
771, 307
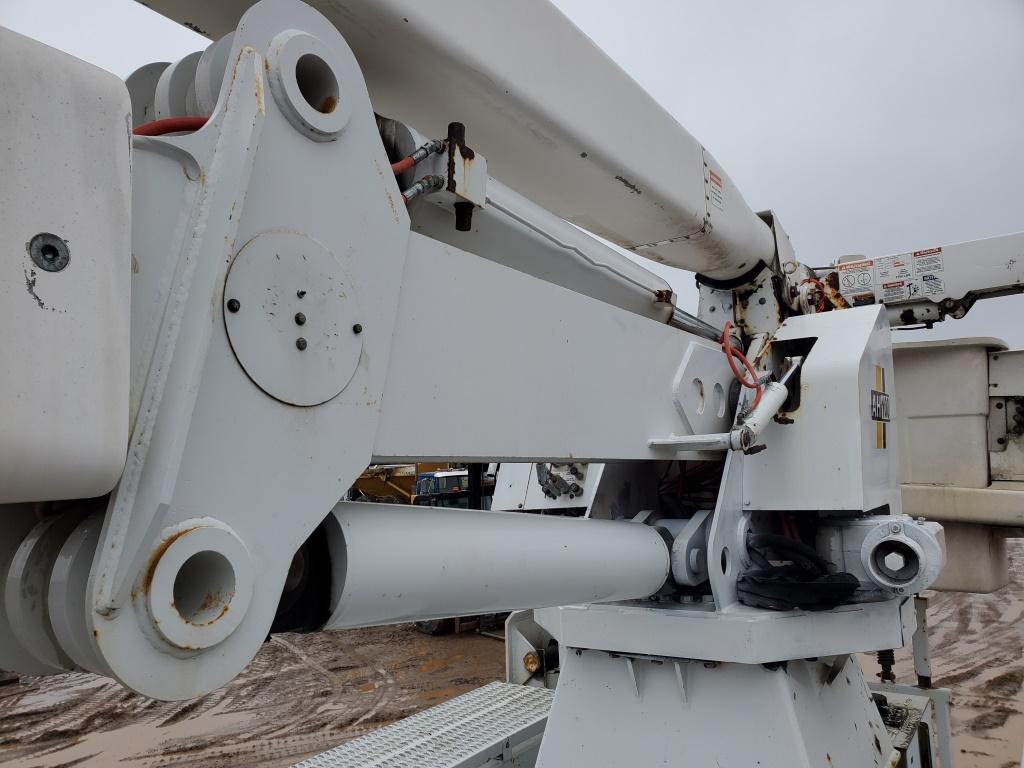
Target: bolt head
300, 319
234, 305
300, 343
357, 328
895, 527
894, 561
531, 662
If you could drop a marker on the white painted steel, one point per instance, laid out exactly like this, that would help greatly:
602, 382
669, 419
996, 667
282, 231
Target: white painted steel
830, 457
202, 426
611, 712
210, 74
396, 563
18, 522
141, 86
64, 165
26, 583
515, 231
739, 634
547, 336
850, 546
773, 396
292, 328
175, 93
66, 597
581, 139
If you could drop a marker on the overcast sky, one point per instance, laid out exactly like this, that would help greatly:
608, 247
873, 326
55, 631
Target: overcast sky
869, 126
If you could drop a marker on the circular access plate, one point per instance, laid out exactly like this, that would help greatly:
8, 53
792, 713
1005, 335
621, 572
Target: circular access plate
290, 311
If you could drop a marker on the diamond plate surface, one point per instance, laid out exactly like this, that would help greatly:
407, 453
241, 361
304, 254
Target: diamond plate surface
446, 736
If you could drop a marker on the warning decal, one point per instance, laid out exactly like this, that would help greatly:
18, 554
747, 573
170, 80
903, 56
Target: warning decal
715, 187
894, 279
893, 268
927, 266
895, 291
855, 277
933, 285
929, 261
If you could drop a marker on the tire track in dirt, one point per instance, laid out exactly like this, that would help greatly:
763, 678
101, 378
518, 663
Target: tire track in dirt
302, 694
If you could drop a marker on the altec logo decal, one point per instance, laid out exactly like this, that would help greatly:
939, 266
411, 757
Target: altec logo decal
880, 407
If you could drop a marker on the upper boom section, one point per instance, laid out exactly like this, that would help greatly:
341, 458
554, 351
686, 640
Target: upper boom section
556, 118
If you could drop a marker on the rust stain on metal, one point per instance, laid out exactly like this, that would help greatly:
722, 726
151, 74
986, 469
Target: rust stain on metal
154, 559
832, 293
329, 105
209, 602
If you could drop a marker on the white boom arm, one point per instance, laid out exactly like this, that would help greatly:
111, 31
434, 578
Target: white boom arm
932, 283
629, 173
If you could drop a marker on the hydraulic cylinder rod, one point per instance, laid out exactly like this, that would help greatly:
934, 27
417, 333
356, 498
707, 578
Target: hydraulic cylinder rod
395, 563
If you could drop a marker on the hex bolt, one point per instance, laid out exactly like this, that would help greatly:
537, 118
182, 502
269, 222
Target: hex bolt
895, 527
300, 343
357, 328
234, 305
531, 662
1001, 441
300, 319
999, 406
761, 300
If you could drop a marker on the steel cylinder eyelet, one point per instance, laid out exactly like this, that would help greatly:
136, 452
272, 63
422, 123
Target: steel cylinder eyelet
304, 78
198, 585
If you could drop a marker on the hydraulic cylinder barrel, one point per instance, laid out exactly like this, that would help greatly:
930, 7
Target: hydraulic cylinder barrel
395, 563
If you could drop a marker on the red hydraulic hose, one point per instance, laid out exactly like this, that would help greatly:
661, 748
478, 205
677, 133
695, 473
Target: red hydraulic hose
170, 125
403, 165
730, 353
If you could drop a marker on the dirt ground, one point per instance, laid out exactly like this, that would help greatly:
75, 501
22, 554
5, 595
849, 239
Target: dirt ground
306, 693
301, 695
977, 645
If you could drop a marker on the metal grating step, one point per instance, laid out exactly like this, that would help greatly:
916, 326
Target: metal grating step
449, 735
